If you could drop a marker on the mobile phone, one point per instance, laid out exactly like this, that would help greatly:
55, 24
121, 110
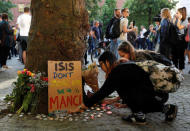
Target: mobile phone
133, 23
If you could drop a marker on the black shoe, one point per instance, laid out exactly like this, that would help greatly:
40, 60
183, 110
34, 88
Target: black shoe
136, 118
86, 62
171, 112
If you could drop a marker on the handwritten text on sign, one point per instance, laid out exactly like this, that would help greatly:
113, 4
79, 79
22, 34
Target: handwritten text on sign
65, 85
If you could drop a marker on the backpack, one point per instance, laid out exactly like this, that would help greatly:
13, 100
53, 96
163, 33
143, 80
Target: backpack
165, 79
113, 30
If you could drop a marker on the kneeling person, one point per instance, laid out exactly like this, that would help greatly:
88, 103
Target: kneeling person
134, 87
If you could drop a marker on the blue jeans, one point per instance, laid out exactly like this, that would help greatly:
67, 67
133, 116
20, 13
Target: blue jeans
150, 44
114, 46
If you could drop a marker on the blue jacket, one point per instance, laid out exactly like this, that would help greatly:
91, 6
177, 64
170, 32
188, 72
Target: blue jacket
164, 30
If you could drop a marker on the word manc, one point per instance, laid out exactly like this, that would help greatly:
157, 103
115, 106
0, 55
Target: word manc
62, 102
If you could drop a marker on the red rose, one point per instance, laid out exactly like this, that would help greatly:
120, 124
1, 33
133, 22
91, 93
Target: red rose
32, 88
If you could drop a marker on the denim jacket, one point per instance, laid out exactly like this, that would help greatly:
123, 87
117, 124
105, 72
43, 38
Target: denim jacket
164, 30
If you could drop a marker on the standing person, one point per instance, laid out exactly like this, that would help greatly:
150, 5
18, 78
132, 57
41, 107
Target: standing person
142, 39
0, 39
0, 17
157, 39
150, 37
124, 25
178, 50
188, 47
97, 31
131, 36
24, 22
5, 40
114, 39
165, 46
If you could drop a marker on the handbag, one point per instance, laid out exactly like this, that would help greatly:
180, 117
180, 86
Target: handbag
187, 35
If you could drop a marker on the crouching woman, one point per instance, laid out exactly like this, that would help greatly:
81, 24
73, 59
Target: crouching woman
133, 86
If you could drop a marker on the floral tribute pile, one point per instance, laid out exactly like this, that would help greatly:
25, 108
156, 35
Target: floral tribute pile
26, 91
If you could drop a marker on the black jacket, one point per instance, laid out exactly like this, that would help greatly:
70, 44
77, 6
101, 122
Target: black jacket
131, 83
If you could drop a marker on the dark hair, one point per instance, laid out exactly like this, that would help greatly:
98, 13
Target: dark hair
183, 12
188, 19
26, 9
116, 9
109, 57
124, 9
4, 16
0, 16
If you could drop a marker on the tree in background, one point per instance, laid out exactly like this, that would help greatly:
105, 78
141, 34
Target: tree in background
93, 9
5, 7
107, 12
143, 11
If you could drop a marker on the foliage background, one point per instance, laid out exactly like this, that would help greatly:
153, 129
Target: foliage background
142, 11
5, 7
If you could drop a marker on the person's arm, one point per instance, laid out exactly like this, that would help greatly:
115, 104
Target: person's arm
179, 25
125, 29
108, 87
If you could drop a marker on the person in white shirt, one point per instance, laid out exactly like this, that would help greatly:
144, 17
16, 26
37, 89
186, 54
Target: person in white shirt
142, 40
124, 24
23, 23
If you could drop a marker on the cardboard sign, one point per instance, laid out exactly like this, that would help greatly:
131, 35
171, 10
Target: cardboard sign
64, 85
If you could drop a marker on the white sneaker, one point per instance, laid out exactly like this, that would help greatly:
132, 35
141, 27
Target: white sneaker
2, 69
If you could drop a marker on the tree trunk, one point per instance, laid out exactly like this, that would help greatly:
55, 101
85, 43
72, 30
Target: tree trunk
57, 32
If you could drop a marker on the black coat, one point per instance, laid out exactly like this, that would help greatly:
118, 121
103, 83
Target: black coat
133, 86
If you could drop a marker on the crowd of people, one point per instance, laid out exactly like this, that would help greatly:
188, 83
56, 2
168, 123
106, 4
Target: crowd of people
169, 38
14, 39
158, 37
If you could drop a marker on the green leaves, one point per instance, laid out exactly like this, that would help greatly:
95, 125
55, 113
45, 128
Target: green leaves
143, 11
5, 7
27, 101
26, 91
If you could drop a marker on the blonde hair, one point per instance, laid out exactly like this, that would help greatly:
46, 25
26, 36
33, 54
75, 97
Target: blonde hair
126, 47
165, 13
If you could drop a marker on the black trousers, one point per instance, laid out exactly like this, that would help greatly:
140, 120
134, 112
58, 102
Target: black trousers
165, 49
147, 103
4, 53
178, 57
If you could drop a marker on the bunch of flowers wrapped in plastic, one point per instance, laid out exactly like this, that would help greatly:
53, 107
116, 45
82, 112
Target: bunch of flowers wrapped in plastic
26, 91
164, 78
90, 76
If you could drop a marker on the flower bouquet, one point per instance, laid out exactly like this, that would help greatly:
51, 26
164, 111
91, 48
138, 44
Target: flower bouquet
26, 91
90, 76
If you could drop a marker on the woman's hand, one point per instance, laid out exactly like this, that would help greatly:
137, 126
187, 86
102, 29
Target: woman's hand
119, 105
111, 100
123, 60
79, 109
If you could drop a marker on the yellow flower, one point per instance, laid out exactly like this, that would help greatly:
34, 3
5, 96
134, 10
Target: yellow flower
19, 72
32, 74
25, 70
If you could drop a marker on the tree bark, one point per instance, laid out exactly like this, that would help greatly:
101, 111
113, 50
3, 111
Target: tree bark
57, 32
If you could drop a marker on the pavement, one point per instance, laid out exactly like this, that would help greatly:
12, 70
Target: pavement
105, 123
